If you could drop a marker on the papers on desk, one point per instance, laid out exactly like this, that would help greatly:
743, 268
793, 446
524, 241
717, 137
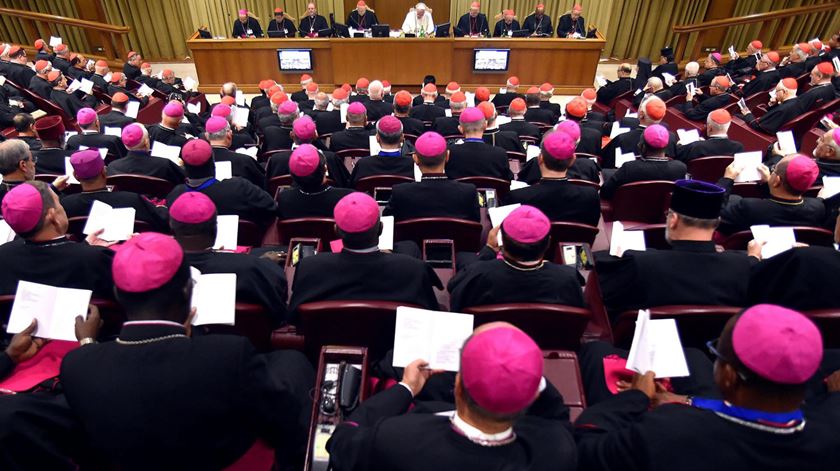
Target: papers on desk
787, 145
670, 79
160, 75
117, 222
500, 120
74, 85
532, 151
621, 159
374, 146
224, 171
189, 83
687, 136
749, 162
109, 131
55, 309
470, 98
227, 232
6, 232
386, 239
68, 170
617, 130
436, 337
166, 151
831, 186
742, 104
55, 41
343, 111
656, 347
250, 151
240, 117
518, 184
214, 299
132, 108
600, 81
240, 98
145, 90
622, 241
778, 239
194, 108
86, 86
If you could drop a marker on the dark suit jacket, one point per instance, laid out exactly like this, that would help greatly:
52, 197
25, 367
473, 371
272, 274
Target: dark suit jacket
472, 158
709, 147
434, 196
643, 170
79, 204
350, 138
762, 82
235, 196
293, 203
629, 142
613, 89
142, 163
560, 201
427, 112
814, 95
446, 126
507, 140
702, 110
381, 165
327, 122
377, 109
566, 25
124, 397
739, 214
277, 138
540, 115
115, 119
414, 126
98, 141
776, 116
522, 128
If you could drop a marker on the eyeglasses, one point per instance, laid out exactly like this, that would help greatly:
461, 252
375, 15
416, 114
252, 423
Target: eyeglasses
712, 346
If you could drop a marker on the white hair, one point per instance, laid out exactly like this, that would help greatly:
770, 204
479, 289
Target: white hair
420, 6
791, 91
715, 128
375, 89
692, 68
655, 83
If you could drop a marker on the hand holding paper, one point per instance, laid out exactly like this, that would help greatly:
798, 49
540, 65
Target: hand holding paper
227, 232
436, 337
748, 162
54, 308
656, 347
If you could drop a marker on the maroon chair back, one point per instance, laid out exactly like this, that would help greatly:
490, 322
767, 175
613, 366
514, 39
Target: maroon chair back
828, 320
263, 157
49, 178
645, 202
353, 153
588, 183
453, 137
807, 235
530, 140
709, 169
552, 326
810, 140
697, 324
142, 184
753, 140
465, 234
252, 321
276, 182
367, 184
47, 106
520, 156
250, 233
355, 323
315, 228
410, 137
150, 114
654, 235
562, 370
502, 187
569, 233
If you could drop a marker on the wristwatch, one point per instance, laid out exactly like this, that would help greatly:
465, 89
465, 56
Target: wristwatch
86, 341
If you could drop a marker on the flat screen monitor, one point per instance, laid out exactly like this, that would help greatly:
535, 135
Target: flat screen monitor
325, 33
491, 60
295, 60
442, 30
380, 31
341, 30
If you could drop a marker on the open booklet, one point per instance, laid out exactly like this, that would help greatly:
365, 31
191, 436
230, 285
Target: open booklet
434, 336
498, 214
55, 309
118, 223
656, 347
214, 298
622, 241
777, 239
227, 232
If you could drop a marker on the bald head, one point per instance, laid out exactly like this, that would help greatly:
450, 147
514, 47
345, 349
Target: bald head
228, 89
322, 100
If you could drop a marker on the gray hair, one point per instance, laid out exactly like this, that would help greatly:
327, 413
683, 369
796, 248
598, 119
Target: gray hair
220, 134
229, 88
655, 83
475, 126
692, 68
375, 89
713, 128
12, 153
322, 100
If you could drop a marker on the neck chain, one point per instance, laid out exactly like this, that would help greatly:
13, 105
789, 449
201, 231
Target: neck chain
151, 340
517, 266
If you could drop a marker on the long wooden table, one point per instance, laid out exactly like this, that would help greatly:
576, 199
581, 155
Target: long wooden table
569, 64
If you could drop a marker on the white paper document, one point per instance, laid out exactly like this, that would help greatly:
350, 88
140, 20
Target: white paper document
227, 232
470, 99
240, 117
107, 77
786, 143
600, 81
622, 241
831, 186
418, 174
732, 50
214, 299
343, 111
132, 108
386, 239
656, 347
249, 151
86, 86
517, 184
145, 90
749, 162
55, 309
448, 112
194, 108
74, 85
6, 232
836, 62
533, 151
109, 131
621, 159
500, 120
103, 152
778, 239
117, 222
374, 146
68, 170
224, 171
630, 114
498, 214
617, 130
669, 79
166, 151
189, 83
55, 41
240, 98
436, 337
687, 136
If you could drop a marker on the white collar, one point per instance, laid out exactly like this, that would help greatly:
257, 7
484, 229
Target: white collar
476, 435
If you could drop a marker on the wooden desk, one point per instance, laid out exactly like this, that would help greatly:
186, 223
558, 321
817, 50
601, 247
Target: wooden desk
568, 64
